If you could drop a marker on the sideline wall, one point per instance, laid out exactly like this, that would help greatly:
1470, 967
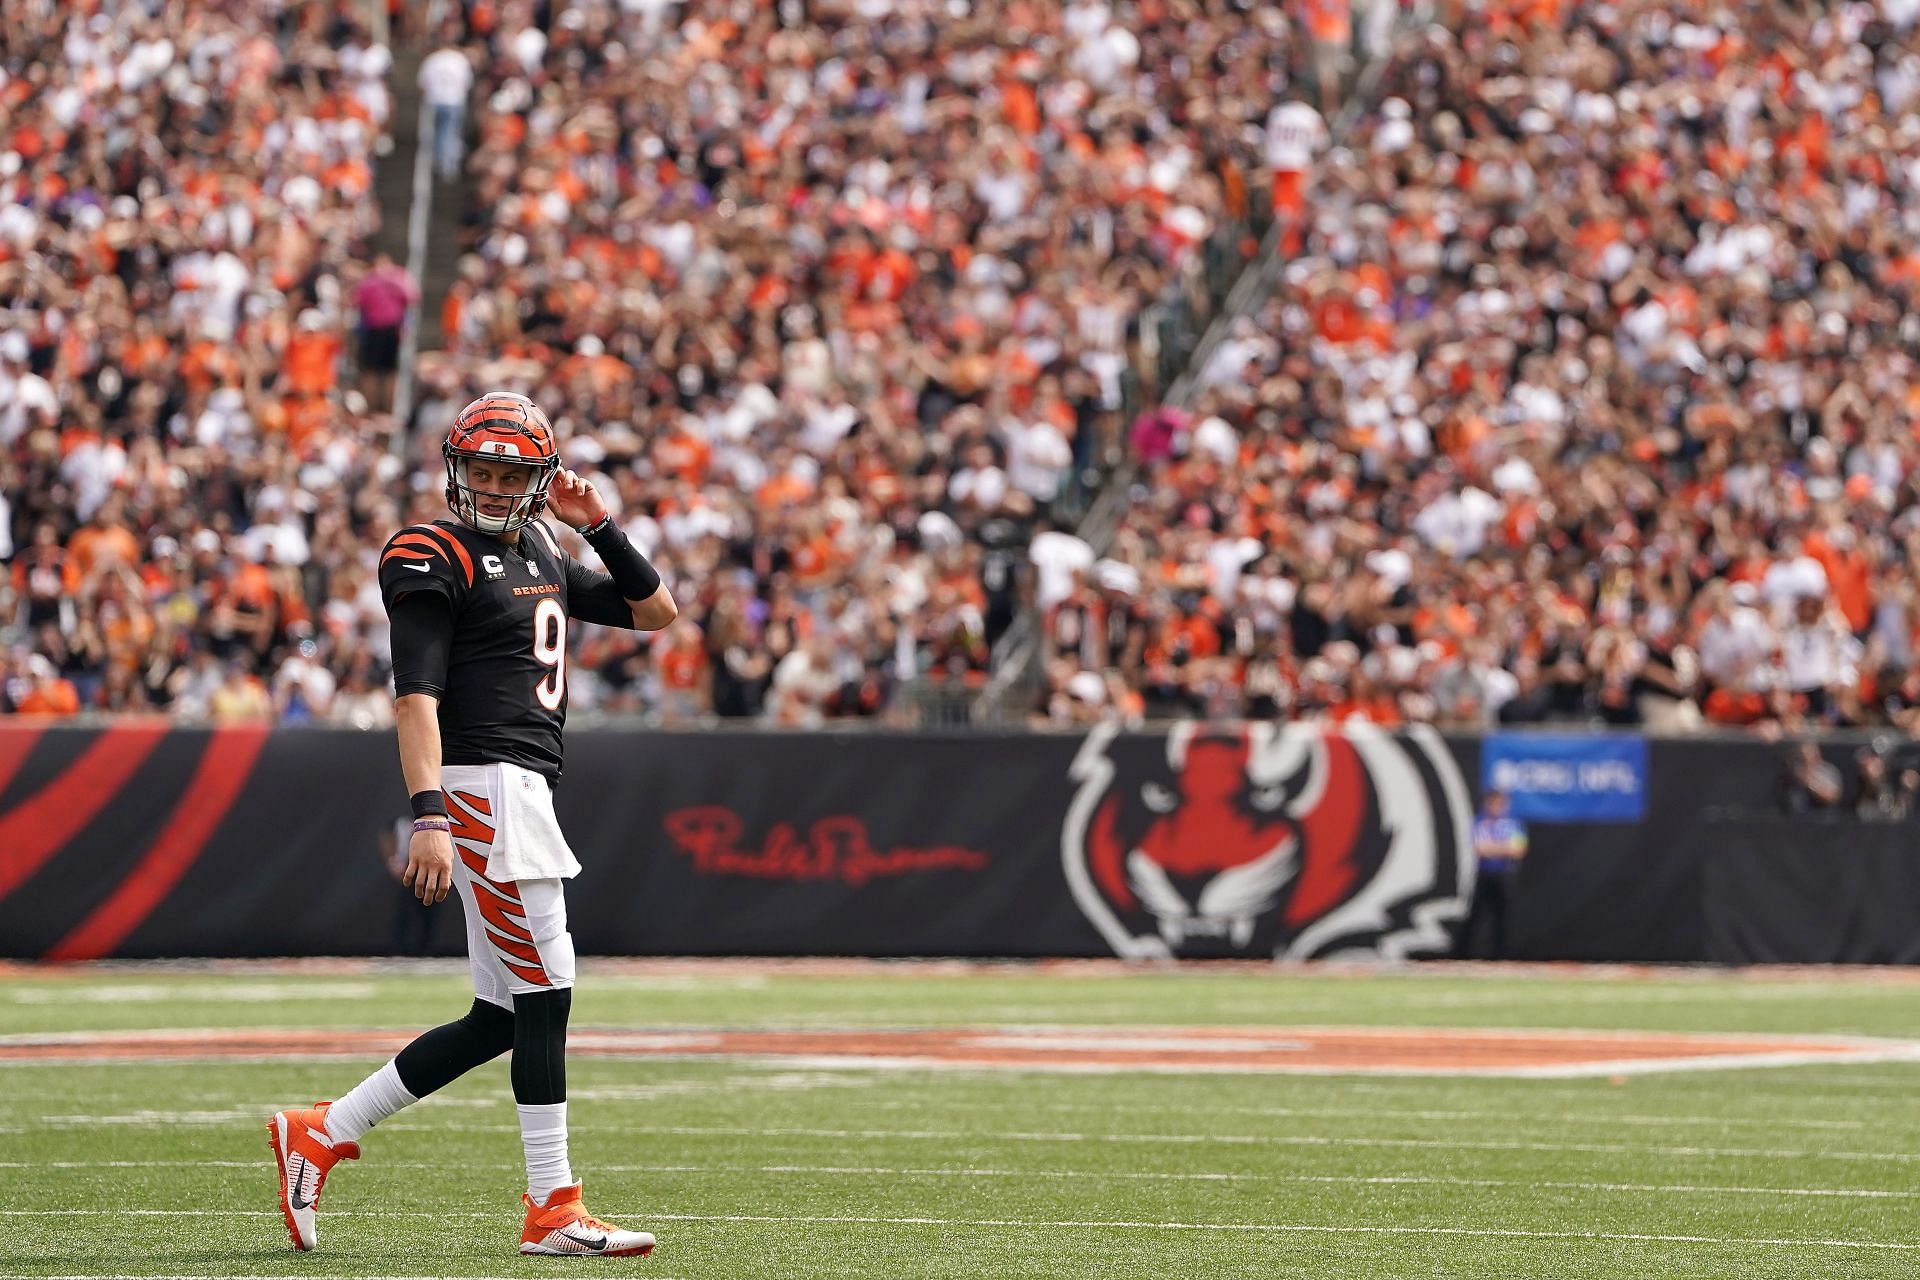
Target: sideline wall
142, 840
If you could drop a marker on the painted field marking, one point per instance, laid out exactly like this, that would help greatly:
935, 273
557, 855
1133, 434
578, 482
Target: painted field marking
229, 992
1016, 1224
1450, 1051
1094, 1175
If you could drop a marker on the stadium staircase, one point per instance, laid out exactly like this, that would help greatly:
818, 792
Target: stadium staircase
420, 222
393, 175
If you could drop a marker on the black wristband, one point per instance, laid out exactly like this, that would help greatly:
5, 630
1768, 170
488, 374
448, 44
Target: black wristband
632, 576
604, 523
429, 804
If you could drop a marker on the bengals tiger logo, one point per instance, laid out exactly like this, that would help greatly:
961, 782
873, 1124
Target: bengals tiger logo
1294, 841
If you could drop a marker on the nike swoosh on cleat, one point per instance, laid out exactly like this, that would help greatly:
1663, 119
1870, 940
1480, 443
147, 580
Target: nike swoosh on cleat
297, 1174
423, 567
591, 1242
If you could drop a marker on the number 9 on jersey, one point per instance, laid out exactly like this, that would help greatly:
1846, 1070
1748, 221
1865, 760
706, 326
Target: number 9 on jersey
550, 650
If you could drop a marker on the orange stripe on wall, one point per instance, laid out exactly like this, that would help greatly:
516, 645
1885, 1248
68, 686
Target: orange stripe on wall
223, 771
40, 826
16, 744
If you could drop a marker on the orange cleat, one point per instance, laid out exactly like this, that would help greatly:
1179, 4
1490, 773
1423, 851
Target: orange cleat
563, 1228
305, 1154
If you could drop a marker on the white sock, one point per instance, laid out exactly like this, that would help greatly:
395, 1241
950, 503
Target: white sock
367, 1104
543, 1132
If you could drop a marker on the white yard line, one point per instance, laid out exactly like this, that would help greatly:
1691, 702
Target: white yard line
1201, 1139
1497, 1106
1500, 1107
1345, 1180
1017, 1224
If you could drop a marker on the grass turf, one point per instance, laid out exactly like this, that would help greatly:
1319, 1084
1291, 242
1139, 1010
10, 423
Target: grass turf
771, 1170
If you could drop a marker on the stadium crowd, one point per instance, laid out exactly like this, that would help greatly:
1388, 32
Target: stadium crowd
1589, 395
184, 194
836, 299
1586, 394
830, 300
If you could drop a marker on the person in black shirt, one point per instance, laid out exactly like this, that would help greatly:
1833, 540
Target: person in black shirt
480, 607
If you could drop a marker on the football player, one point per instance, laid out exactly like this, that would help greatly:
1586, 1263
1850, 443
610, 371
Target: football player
480, 606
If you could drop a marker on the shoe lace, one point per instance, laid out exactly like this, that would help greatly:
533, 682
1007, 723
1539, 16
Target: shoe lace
592, 1223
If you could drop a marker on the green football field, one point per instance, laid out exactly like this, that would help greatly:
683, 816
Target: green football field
857, 1161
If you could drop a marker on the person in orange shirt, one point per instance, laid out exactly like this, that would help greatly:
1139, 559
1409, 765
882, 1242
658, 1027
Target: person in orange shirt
310, 364
1849, 574
685, 690
48, 693
104, 540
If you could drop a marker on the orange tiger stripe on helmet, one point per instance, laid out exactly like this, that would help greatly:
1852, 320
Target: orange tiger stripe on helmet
511, 421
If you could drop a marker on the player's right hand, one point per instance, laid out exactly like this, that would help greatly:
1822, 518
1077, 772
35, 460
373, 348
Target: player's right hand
429, 870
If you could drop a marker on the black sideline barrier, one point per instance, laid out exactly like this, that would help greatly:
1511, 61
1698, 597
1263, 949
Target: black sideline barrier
139, 840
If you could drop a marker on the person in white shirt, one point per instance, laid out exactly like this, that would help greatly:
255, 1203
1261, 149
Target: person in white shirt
1820, 657
1058, 558
445, 79
1038, 456
1295, 132
1737, 641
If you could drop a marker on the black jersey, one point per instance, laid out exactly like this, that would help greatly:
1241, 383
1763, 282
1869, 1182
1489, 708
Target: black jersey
506, 692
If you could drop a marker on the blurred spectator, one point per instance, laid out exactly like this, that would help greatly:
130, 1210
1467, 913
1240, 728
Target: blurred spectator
446, 78
412, 918
1499, 847
1809, 782
43, 691
382, 298
1880, 795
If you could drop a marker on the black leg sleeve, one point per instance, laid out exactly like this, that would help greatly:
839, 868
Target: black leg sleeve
540, 1046
444, 1054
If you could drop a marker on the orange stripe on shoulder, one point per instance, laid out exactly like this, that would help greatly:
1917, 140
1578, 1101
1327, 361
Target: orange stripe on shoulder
459, 551
414, 553
414, 537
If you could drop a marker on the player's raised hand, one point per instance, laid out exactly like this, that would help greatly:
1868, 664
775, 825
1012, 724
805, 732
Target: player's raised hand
573, 501
429, 870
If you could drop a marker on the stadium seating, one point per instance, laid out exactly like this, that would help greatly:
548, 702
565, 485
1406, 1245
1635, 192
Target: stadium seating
1588, 396
832, 306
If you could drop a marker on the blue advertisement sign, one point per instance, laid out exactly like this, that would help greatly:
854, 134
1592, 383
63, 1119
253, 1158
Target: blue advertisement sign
1568, 778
